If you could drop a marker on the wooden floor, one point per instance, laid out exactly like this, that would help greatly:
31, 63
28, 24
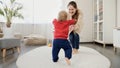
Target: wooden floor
10, 60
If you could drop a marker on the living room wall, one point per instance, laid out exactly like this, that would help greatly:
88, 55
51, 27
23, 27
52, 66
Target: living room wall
45, 30
86, 7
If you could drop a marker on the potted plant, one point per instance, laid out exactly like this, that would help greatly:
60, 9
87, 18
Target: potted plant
10, 11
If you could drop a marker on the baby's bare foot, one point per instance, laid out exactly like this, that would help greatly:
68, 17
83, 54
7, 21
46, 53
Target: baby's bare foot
76, 51
68, 61
73, 51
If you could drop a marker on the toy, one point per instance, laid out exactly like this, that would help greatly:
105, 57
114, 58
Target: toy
49, 45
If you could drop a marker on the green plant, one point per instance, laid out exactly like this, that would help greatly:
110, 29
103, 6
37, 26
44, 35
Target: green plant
10, 11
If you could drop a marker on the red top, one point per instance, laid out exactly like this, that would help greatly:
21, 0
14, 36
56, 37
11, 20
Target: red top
61, 29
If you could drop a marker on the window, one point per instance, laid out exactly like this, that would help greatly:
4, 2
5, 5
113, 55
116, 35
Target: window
39, 11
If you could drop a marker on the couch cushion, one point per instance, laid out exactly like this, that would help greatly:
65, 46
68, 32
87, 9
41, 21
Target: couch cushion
9, 43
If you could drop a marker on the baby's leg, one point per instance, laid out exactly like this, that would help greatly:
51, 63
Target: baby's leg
68, 53
55, 51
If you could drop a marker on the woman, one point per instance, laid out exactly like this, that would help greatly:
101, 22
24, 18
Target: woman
74, 34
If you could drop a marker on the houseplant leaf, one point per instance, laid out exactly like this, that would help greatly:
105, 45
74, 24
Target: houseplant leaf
10, 11
1, 12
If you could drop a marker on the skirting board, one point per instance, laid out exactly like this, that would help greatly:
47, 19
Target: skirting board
94, 43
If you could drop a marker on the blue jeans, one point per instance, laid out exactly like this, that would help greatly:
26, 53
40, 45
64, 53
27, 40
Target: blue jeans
74, 40
57, 45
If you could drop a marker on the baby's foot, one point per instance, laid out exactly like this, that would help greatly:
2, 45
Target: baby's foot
68, 61
76, 51
73, 51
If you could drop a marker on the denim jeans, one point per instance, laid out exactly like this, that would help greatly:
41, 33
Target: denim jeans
59, 44
74, 40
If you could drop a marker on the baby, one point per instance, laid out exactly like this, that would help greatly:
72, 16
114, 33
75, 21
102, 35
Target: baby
61, 30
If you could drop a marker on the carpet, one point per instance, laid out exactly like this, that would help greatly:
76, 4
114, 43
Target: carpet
41, 58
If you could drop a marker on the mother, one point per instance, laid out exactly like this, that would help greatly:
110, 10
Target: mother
74, 34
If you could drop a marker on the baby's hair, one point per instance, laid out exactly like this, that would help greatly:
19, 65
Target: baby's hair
62, 16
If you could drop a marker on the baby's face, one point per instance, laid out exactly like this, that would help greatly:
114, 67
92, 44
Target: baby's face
71, 10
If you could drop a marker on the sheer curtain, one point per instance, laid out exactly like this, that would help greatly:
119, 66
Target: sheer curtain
39, 11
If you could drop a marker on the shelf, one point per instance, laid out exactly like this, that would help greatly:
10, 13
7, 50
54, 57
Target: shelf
100, 26
102, 32
100, 9
99, 41
100, 21
95, 11
118, 28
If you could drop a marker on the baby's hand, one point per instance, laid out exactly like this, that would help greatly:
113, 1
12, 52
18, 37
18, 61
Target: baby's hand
71, 28
69, 16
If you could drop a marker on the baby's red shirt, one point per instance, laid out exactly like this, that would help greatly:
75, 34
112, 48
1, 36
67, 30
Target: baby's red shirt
61, 28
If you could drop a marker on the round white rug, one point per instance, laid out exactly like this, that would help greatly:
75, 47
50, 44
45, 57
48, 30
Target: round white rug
42, 58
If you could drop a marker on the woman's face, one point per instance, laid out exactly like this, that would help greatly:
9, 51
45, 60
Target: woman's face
71, 10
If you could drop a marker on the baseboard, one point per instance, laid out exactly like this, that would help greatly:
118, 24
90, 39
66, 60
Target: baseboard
86, 42
94, 43
108, 44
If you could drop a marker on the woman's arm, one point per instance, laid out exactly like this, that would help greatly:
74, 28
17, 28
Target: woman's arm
79, 23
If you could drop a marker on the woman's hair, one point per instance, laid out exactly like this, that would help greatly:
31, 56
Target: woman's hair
77, 13
62, 16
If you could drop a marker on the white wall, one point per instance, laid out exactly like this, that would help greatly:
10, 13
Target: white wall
118, 13
87, 32
43, 29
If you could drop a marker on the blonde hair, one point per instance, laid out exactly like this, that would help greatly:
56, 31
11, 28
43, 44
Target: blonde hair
62, 16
